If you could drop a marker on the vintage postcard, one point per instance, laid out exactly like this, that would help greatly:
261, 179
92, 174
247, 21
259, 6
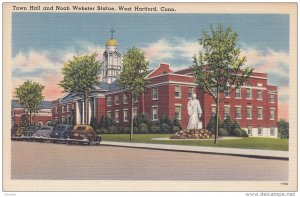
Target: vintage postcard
150, 97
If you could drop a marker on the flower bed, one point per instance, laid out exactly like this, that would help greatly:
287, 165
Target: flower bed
193, 134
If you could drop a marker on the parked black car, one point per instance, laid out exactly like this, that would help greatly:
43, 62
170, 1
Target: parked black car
61, 131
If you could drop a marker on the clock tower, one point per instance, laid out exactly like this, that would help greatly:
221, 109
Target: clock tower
112, 60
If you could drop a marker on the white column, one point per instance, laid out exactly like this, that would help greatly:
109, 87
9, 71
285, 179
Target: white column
90, 111
78, 115
83, 112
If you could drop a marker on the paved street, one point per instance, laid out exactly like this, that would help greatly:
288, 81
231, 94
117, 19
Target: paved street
32, 160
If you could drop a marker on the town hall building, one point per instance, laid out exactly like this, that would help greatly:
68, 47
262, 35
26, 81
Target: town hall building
254, 105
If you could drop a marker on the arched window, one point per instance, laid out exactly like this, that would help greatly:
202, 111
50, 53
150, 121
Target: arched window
39, 124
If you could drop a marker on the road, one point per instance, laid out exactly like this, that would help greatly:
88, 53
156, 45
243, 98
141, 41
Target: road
33, 160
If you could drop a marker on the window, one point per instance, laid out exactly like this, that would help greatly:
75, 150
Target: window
227, 93
213, 110
191, 91
155, 113
135, 98
178, 112
260, 130
117, 116
249, 93
125, 111
259, 95
135, 112
108, 114
117, 101
125, 99
214, 91
154, 94
272, 114
68, 107
62, 109
272, 98
238, 114
272, 130
259, 113
109, 101
249, 112
249, 130
177, 92
55, 109
63, 120
238, 93
226, 111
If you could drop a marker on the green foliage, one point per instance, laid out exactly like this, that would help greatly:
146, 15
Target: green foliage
72, 117
283, 129
237, 132
175, 129
164, 118
227, 124
80, 75
136, 130
103, 130
102, 123
235, 125
126, 130
155, 129
211, 126
165, 128
94, 123
223, 132
177, 123
107, 122
144, 128
114, 129
132, 77
29, 96
218, 69
244, 133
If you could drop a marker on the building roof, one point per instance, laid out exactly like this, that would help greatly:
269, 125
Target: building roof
44, 104
112, 42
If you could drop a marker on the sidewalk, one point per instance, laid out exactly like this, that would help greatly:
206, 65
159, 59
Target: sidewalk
265, 154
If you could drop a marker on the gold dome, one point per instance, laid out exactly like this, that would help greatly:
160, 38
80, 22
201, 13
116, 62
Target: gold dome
111, 42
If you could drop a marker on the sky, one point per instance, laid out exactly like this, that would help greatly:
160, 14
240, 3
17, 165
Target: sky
42, 42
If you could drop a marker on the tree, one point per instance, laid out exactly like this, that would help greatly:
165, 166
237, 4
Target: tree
227, 124
80, 75
283, 129
30, 96
102, 122
235, 126
218, 69
211, 126
132, 77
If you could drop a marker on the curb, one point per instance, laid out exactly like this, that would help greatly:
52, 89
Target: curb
200, 152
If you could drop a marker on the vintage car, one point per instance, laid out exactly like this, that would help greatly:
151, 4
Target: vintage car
43, 132
61, 131
84, 134
28, 131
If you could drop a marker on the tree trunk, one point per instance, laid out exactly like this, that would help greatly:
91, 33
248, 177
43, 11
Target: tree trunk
30, 119
131, 121
217, 117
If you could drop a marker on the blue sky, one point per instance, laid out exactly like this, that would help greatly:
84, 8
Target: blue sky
42, 42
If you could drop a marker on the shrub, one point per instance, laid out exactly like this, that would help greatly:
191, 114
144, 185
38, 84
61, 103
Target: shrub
154, 123
244, 133
154, 129
165, 128
113, 129
177, 123
103, 130
227, 124
136, 130
102, 122
211, 126
144, 128
223, 132
94, 123
175, 129
237, 132
126, 130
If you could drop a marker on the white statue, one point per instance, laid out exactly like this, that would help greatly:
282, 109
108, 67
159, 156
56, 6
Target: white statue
195, 112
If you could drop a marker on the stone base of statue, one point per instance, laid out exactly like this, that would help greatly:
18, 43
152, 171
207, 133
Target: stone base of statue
193, 134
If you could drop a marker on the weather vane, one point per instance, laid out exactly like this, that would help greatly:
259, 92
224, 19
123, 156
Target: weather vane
112, 33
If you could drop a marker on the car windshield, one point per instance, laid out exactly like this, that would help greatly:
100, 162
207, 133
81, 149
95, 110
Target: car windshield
61, 127
45, 128
80, 128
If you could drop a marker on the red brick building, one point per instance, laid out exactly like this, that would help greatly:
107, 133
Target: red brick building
254, 105
42, 117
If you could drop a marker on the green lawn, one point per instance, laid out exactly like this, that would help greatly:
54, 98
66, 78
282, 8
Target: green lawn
248, 143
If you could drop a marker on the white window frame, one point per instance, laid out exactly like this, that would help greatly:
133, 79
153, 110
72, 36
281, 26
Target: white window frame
213, 106
109, 101
117, 112
240, 107
125, 99
153, 97
262, 113
240, 90
154, 119
135, 112
250, 95
272, 109
180, 111
249, 118
260, 99
63, 109
108, 112
191, 93
227, 94
272, 133
125, 118
272, 100
249, 133
177, 86
226, 106
117, 101
262, 131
